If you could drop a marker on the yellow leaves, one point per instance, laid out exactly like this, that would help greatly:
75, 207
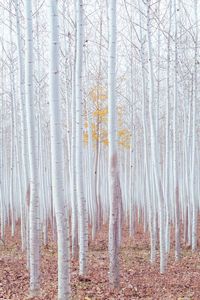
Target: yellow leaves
105, 142
101, 136
101, 112
94, 126
100, 133
124, 144
85, 137
101, 115
104, 137
94, 136
124, 138
122, 132
98, 93
99, 123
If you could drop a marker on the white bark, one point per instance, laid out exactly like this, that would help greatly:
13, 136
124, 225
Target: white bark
113, 173
74, 216
154, 150
23, 156
58, 159
82, 209
32, 150
194, 104
175, 164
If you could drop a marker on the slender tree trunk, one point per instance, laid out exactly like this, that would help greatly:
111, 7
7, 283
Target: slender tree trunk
32, 149
155, 157
113, 173
82, 209
74, 216
167, 140
194, 103
175, 177
57, 157
23, 156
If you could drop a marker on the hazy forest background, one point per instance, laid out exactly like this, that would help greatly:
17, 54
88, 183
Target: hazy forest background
99, 149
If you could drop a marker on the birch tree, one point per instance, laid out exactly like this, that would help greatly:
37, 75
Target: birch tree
153, 134
194, 105
57, 159
33, 159
113, 173
24, 159
82, 209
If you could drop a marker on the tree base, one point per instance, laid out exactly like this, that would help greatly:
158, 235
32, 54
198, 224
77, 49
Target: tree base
35, 293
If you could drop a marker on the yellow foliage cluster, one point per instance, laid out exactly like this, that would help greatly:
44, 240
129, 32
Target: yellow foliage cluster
100, 120
85, 137
100, 112
124, 138
98, 93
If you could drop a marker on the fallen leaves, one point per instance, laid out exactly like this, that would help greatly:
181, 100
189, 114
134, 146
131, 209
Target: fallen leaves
139, 279
84, 278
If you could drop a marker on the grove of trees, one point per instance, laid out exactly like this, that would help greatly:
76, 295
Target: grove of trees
99, 124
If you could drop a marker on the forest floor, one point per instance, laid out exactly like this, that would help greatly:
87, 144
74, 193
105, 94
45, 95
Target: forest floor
138, 278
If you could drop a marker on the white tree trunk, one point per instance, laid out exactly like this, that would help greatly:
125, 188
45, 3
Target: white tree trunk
23, 156
175, 164
58, 159
113, 174
194, 103
154, 150
32, 149
82, 209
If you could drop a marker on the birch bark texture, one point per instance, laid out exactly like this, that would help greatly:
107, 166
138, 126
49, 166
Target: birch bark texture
82, 209
33, 160
57, 158
113, 174
154, 151
24, 152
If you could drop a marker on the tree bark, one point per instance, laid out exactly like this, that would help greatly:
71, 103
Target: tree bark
57, 157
